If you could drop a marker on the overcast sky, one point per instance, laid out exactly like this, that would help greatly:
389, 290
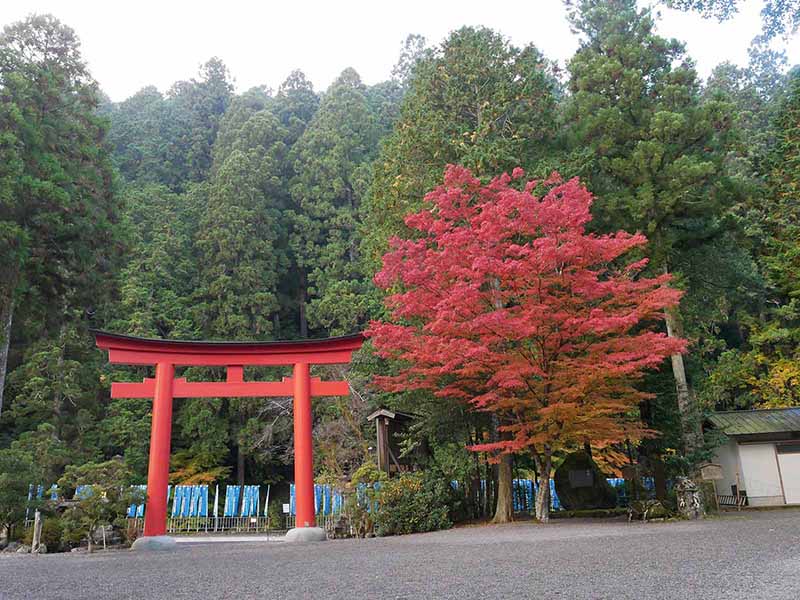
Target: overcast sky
129, 45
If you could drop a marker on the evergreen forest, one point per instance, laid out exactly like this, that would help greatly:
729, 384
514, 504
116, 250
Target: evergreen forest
206, 213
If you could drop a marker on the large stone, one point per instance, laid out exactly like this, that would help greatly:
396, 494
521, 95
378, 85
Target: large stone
154, 543
646, 510
306, 534
581, 485
690, 499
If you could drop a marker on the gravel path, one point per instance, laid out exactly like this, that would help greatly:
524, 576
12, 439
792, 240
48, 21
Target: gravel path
745, 555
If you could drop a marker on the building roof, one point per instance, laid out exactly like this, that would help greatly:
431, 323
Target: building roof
391, 414
753, 422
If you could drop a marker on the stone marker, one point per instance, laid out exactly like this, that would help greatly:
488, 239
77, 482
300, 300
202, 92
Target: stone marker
306, 534
154, 543
581, 485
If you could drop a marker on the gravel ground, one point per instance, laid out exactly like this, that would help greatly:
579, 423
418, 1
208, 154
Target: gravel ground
740, 555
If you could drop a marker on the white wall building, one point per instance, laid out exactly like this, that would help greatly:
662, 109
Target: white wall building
761, 458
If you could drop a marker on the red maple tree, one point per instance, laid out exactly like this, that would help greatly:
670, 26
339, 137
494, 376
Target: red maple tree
504, 301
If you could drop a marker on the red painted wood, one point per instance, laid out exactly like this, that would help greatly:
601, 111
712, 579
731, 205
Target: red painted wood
235, 374
142, 351
155, 516
166, 354
135, 357
228, 389
303, 448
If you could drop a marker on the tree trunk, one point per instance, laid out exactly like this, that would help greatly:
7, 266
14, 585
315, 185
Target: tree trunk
504, 513
276, 326
6, 317
301, 305
587, 447
58, 395
543, 466
687, 403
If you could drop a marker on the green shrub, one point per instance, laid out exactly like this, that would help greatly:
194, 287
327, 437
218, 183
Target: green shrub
275, 516
52, 533
368, 473
414, 503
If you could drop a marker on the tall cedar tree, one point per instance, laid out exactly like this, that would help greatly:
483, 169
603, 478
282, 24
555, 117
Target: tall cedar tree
169, 139
653, 152
57, 211
475, 100
505, 302
330, 162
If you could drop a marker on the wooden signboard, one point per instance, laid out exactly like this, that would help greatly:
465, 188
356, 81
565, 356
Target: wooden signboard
711, 471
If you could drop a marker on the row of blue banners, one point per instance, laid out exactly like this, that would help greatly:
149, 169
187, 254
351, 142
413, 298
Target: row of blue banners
245, 501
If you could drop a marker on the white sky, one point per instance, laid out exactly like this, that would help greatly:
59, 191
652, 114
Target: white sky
129, 45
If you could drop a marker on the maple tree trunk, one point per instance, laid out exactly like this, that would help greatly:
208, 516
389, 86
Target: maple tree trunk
6, 317
504, 509
504, 513
587, 447
543, 466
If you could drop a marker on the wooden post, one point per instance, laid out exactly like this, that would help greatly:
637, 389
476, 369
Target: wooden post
37, 532
382, 427
738, 492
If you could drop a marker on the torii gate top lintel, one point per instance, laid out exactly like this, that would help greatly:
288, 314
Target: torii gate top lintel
165, 355
131, 350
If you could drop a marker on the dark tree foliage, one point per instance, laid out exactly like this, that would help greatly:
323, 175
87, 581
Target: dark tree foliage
475, 100
58, 213
204, 213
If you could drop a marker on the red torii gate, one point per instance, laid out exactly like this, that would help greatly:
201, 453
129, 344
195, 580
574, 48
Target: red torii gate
165, 355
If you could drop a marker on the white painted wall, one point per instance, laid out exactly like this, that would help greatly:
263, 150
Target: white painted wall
727, 456
790, 472
760, 473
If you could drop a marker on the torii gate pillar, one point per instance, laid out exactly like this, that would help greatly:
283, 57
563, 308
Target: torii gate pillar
167, 354
155, 517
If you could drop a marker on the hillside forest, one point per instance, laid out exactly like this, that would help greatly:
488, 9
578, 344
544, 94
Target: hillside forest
202, 213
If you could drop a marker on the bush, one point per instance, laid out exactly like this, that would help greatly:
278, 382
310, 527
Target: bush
368, 473
275, 516
414, 503
104, 501
52, 533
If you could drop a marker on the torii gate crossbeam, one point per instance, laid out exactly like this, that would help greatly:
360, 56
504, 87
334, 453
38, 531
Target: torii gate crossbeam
165, 355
